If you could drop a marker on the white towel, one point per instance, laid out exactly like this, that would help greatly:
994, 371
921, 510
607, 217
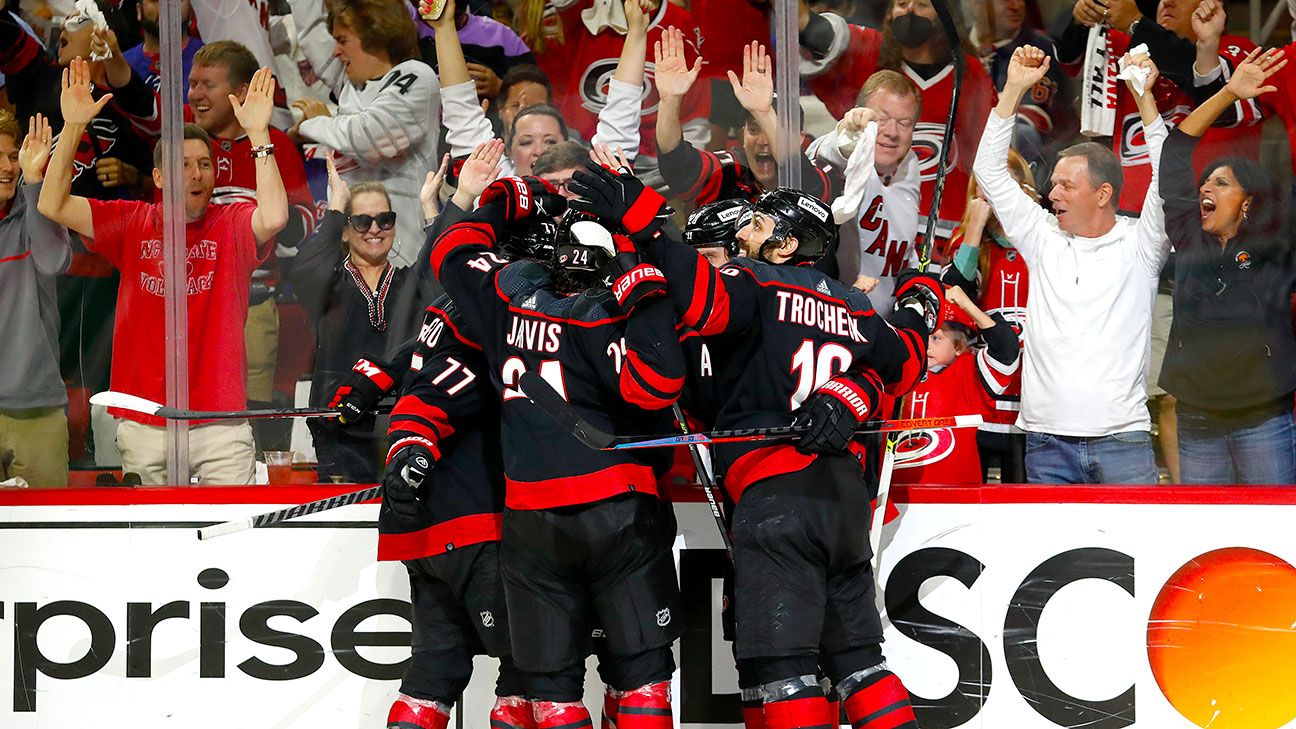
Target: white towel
1098, 95
91, 11
605, 14
846, 206
1136, 74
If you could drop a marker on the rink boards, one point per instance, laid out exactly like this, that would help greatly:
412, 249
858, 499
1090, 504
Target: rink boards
1005, 607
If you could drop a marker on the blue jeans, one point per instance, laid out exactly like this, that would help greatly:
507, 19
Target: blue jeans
1119, 458
1264, 453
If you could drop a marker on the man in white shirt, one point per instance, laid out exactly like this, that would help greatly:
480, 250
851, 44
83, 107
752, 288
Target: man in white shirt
877, 212
1093, 281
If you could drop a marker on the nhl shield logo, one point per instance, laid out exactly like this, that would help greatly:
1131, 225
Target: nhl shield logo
488, 619
663, 617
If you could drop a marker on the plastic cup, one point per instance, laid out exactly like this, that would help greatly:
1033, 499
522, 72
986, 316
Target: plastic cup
279, 465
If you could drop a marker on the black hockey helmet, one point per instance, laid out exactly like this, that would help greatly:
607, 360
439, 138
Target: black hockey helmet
714, 225
533, 239
583, 248
801, 216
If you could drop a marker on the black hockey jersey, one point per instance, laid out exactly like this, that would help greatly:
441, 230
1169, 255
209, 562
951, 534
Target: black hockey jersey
704, 177
448, 406
618, 372
786, 331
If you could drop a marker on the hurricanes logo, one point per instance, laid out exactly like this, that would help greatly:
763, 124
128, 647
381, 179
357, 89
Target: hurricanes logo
594, 86
488, 619
104, 133
663, 617
917, 448
927, 141
1133, 145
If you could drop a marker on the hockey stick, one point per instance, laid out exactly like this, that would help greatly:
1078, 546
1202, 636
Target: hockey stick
542, 393
121, 400
946, 18
271, 518
704, 476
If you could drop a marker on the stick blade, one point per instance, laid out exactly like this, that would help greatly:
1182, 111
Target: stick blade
110, 399
220, 530
542, 394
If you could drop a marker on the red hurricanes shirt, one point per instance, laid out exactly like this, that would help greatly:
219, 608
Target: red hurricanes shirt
222, 253
949, 455
1241, 137
581, 67
839, 87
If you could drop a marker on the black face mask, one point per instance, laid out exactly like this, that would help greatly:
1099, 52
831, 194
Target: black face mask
912, 30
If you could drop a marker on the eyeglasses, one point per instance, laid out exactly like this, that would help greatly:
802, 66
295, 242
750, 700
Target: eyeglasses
560, 185
360, 223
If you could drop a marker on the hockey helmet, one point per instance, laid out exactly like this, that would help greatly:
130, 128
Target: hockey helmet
801, 216
533, 239
583, 248
714, 225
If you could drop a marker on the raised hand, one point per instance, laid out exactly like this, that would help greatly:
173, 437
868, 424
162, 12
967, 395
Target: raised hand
673, 76
978, 214
636, 12
76, 101
1248, 80
35, 151
253, 113
339, 194
611, 158
756, 89
438, 13
1208, 22
430, 193
1028, 66
1143, 61
481, 168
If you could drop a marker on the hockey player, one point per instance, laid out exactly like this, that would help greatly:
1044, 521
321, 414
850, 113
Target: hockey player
586, 540
388, 109
961, 379
713, 230
701, 177
442, 510
843, 56
878, 210
811, 351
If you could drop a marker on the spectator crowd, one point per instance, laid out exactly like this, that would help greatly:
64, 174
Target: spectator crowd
1115, 231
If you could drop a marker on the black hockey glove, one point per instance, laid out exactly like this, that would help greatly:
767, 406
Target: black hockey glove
407, 469
923, 295
831, 414
358, 395
621, 199
634, 283
510, 200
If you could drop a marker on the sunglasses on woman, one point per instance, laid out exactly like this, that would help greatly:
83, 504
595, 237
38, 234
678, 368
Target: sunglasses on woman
360, 223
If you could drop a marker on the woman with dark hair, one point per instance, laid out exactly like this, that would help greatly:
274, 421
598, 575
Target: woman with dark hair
1231, 359
841, 57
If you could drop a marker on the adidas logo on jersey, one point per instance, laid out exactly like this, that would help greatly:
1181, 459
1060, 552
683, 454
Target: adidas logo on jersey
529, 302
822, 287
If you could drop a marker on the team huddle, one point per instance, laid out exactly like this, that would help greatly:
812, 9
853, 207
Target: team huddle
498, 512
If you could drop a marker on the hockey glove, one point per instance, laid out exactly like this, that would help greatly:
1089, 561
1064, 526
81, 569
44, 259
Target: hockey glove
359, 394
621, 199
407, 469
510, 200
830, 415
923, 295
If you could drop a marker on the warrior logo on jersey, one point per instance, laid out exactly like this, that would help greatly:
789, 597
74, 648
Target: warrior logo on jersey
596, 79
928, 139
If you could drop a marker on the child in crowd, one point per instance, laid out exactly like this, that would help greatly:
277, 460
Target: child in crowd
961, 380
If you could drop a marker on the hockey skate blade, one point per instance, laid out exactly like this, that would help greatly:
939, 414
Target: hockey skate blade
110, 399
220, 530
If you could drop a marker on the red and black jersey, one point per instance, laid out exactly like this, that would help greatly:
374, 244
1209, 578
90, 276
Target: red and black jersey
704, 177
785, 331
619, 373
447, 405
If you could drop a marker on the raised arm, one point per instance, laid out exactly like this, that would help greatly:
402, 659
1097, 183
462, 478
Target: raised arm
79, 108
674, 79
619, 120
1022, 218
1247, 82
51, 250
755, 91
271, 214
1153, 244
